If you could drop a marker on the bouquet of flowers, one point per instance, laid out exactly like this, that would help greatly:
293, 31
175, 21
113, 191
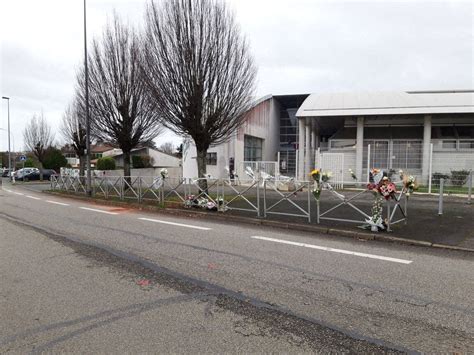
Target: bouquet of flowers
317, 176
325, 176
376, 222
410, 184
353, 175
190, 201
164, 173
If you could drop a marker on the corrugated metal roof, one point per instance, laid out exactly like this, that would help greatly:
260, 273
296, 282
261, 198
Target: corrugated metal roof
387, 103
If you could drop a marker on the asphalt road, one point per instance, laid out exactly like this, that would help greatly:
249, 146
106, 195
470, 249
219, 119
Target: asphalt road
89, 278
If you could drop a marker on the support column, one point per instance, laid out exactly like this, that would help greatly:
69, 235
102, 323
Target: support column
425, 166
308, 149
359, 147
300, 157
313, 142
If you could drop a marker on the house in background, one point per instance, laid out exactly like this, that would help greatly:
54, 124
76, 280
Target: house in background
159, 159
416, 131
97, 151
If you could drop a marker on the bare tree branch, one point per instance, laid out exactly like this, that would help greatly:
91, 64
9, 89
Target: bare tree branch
121, 115
38, 138
73, 130
198, 70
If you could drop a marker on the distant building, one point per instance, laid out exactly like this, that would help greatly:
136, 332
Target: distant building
159, 159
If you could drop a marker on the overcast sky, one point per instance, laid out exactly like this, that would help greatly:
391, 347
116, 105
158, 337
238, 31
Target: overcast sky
300, 46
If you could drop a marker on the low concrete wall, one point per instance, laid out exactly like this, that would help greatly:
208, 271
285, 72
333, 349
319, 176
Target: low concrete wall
173, 173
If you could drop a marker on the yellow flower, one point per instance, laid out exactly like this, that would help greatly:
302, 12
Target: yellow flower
314, 172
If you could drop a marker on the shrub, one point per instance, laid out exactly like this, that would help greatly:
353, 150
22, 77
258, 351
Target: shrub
459, 177
436, 177
141, 161
54, 159
106, 163
29, 163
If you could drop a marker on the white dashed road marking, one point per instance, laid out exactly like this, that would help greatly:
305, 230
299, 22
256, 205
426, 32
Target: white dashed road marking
58, 203
341, 251
32, 197
95, 210
175, 224
18, 193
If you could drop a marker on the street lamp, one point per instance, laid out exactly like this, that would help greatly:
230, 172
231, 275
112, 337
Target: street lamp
13, 137
9, 150
88, 125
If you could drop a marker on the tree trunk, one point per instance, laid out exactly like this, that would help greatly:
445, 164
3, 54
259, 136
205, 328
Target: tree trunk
41, 170
126, 167
201, 163
82, 165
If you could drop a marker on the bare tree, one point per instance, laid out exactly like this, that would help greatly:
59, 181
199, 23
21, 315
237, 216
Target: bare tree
198, 71
168, 148
120, 113
73, 130
38, 138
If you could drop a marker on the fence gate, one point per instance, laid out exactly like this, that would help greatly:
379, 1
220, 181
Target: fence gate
333, 162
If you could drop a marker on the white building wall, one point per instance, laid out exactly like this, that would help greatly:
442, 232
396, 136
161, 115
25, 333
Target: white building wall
444, 162
262, 122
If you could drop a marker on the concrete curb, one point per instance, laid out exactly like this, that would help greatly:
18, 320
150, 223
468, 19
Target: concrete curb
263, 222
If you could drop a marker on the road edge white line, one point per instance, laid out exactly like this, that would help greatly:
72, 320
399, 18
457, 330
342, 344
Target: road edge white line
340, 251
175, 224
33, 197
96, 210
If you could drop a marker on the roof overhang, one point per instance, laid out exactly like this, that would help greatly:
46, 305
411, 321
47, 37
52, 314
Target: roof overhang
387, 103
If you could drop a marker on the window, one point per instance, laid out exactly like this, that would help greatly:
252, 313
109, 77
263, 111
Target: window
449, 144
252, 148
466, 144
342, 143
211, 159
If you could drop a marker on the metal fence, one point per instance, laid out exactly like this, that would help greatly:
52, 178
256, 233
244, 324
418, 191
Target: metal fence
258, 198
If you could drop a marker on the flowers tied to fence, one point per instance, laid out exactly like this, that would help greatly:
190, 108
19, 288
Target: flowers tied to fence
320, 178
353, 175
192, 201
164, 173
409, 183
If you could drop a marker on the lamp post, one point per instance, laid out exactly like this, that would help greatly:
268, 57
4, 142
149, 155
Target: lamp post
88, 125
9, 150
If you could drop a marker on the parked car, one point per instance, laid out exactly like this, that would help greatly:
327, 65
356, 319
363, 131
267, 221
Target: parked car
25, 171
35, 175
5, 172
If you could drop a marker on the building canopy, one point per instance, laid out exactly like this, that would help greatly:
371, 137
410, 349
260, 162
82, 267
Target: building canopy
387, 103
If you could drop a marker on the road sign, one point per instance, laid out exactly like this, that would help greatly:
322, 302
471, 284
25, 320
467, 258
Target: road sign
22, 157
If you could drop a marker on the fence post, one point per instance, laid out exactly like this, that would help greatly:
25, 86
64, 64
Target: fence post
296, 165
368, 164
264, 199
139, 189
309, 202
406, 209
440, 204
430, 168
106, 192
388, 216
469, 188
122, 190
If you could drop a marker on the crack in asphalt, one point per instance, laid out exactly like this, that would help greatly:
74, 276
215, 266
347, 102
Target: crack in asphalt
281, 321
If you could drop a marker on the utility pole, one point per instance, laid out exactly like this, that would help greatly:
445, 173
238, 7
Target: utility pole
88, 124
9, 150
